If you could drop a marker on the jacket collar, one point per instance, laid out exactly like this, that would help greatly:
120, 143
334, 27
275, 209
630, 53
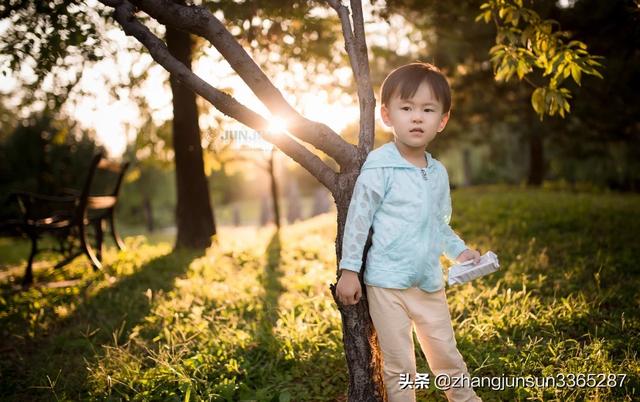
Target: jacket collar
388, 155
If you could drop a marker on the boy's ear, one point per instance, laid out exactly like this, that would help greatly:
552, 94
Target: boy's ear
443, 121
384, 113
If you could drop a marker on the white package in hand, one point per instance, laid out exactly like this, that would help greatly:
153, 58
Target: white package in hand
467, 271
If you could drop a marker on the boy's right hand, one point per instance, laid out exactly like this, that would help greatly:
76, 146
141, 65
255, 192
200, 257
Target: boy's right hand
348, 290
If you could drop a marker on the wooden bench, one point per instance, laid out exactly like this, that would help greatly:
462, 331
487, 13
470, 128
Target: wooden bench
67, 217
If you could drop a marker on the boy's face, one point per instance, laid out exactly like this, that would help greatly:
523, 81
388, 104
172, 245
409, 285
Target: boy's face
415, 121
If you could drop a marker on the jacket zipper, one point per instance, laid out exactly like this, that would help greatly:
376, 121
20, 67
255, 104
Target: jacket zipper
422, 263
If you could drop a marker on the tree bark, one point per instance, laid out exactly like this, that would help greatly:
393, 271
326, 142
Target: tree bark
361, 348
194, 216
274, 188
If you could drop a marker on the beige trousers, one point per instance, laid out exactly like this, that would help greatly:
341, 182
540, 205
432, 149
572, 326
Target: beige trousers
393, 311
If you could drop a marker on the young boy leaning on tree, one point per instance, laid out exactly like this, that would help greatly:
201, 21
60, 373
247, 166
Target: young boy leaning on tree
403, 192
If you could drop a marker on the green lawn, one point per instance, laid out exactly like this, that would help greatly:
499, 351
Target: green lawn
252, 318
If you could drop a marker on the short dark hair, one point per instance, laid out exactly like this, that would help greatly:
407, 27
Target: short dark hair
408, 78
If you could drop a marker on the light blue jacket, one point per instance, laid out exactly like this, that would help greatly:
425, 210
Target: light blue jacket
410, 210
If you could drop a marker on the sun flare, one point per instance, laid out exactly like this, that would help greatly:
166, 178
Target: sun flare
277, 125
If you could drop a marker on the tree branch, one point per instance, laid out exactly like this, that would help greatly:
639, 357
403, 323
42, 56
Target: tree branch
200, 21
356, 48
365, 92
347, 33
124, 14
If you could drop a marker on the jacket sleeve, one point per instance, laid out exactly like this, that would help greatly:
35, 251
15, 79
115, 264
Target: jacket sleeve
453, 244
368, 194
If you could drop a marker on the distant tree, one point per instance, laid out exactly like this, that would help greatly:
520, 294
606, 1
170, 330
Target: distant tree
519, 43
150, 158
294, 207
536, 51
604, 114
225, 156
194, 215
235, 215
266, 212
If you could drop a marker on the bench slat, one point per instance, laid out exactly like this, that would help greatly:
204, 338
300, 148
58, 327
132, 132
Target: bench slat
101, 202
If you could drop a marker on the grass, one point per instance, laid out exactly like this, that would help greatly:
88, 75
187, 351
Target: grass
253, 319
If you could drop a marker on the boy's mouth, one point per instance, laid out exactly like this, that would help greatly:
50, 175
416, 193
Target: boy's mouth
416, 130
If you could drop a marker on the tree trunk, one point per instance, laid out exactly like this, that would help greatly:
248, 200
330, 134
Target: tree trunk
274, 188
266, 211
536, 155
194, 216
235, 213
359, 336
294, 207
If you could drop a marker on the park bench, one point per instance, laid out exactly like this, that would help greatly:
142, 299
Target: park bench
67, 217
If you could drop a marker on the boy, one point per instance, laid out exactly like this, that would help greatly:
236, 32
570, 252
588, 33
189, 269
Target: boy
403, 193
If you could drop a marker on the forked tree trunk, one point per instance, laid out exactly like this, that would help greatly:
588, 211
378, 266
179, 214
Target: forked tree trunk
194, 216
359, 337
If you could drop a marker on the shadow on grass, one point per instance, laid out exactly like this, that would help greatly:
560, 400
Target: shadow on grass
55, 364
269, 373
268, 345
270, 280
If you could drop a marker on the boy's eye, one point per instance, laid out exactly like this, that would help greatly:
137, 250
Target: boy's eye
405, 108
428, 110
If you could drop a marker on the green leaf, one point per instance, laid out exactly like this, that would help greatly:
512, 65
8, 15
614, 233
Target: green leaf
496, 48
576, 73
596, 73
537, 100
522, 69
578, 43
542, 61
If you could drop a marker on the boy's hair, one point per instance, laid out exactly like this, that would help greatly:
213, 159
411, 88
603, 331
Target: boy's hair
408, 78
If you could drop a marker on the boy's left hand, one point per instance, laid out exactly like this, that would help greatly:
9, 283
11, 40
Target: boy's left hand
469, 254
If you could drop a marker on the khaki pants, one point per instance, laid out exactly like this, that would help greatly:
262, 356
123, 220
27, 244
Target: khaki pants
392, 312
